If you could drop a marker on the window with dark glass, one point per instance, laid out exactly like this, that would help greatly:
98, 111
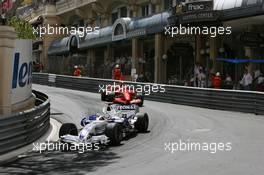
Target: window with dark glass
114, 17
123, 12
145, 10
153, 8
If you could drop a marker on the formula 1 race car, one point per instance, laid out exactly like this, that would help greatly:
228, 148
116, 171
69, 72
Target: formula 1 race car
115, 123
122, 95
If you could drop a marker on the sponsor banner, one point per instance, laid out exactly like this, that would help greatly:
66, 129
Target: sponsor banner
22, 71
126, 107
199, 17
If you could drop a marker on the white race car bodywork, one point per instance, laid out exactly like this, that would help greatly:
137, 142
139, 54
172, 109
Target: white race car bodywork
95, 126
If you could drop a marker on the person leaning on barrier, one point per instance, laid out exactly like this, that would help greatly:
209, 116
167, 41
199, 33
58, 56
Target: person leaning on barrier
258, 81
77, 71
246, 81
228, 82
117, 75
217, 81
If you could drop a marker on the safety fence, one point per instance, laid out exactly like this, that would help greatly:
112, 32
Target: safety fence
230, 100
25, 127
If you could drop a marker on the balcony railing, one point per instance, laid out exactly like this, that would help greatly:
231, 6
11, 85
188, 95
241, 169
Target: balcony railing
31, 13
68, 5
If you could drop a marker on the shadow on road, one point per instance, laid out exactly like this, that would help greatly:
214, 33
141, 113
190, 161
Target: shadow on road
60, 162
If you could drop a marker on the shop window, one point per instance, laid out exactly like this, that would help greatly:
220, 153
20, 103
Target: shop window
119, 30
145, 10
153, 9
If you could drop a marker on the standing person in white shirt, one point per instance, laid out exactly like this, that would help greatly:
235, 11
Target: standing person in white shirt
196, 73
247, 81
201, 78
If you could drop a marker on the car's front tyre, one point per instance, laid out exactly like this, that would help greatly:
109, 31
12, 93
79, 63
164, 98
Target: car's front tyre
103, 96
114, 132
68, 128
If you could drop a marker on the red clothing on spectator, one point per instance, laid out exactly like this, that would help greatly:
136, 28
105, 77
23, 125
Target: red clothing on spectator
117, 74
217, 82
77, 72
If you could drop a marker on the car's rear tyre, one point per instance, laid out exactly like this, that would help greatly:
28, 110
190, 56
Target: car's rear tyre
142, 100
142, 122
68, 128
110, 97
114, 132
103, 96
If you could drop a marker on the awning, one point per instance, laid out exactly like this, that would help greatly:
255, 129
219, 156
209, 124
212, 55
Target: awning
126, 28
233, 9
232, 4
149, 25
59, 47
103, 35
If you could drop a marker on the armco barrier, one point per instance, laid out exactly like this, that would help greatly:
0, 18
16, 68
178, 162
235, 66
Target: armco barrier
24, 128
231, 100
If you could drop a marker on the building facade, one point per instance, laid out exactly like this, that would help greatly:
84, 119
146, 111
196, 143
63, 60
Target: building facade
132, 33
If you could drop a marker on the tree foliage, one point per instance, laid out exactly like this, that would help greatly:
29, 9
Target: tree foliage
23, 28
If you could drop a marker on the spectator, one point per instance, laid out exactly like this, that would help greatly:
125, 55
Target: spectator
201, 78
77, 71
260, 83
246, 81
228, 82
117, 73
196, 73
140, 78
217, 81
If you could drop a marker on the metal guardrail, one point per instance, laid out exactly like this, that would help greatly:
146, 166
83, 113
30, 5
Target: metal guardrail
25, 127
230, 100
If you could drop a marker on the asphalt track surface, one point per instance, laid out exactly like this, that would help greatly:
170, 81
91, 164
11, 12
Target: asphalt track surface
145, 153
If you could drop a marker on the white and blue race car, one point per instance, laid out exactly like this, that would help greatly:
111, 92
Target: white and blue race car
115, 123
